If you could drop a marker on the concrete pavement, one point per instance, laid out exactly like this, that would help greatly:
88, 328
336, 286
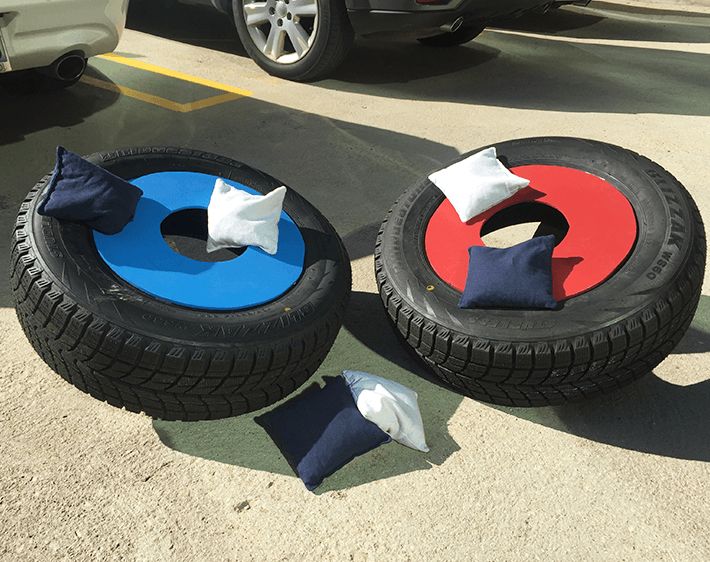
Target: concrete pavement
622, 477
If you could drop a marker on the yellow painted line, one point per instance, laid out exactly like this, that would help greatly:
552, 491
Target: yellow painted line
157, 100
131, 93
230, 92
175, 74
209, 102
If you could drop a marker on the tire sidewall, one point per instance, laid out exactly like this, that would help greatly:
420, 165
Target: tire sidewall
665, 243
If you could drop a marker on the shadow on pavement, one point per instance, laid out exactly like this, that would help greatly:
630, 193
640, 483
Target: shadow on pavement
239, 441
514, 70
202, 26
647, 11
616, 22
650, 416
25, 113
549, 70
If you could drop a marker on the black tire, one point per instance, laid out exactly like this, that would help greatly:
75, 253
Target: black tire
171, 362
334, 38
598, 340
461, 36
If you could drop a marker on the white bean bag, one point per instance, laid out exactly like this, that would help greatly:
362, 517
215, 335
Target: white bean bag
390, 405
477, 183
236, 218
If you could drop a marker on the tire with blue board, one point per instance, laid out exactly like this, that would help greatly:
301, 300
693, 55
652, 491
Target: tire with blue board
627, 268
146, 320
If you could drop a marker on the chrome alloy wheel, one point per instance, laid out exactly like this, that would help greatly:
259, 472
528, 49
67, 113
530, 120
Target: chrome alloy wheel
283, 30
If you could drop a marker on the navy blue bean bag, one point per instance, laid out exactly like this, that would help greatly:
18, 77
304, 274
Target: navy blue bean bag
515, 277
83, 192
321, 430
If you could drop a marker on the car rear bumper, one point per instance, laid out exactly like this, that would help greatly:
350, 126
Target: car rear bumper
373, 17
35, 33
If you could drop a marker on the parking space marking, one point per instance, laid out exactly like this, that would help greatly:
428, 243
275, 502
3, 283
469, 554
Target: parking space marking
157, 100
231, 93
209, 102
175, 74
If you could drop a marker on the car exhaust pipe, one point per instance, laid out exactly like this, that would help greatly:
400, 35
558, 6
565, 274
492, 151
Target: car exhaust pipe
453, 26
68, 68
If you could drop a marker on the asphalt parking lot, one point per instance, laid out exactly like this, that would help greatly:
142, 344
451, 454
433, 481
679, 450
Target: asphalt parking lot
622, 477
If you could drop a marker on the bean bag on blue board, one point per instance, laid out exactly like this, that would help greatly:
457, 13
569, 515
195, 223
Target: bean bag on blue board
83, 192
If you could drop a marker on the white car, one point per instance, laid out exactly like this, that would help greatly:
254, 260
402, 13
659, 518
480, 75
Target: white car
57, 36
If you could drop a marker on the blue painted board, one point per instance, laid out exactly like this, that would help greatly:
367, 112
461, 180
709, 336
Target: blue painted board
140, 256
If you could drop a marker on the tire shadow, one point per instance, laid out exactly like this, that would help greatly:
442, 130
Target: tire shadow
241, 442
650, 416
697, 338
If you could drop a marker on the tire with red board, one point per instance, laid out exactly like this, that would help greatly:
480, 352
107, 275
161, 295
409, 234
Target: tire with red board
628, 266
146, 320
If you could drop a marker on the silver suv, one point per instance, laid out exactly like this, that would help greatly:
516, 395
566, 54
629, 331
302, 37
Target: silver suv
307, 39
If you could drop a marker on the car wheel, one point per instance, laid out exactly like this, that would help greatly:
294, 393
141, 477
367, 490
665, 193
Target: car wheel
462, 35
300, 40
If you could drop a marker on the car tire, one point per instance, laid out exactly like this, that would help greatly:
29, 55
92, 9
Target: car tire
459, 37
598, 340
146, 354
331, 42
